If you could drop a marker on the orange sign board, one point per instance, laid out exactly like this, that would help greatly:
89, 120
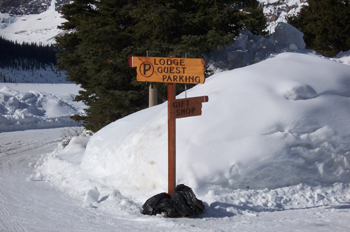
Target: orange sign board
187, 107
169, 70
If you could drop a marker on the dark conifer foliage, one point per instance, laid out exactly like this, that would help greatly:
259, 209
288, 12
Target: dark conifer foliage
26, 56
325, 24
102, 35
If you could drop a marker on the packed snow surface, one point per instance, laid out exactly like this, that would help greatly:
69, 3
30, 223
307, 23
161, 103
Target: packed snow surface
273, 136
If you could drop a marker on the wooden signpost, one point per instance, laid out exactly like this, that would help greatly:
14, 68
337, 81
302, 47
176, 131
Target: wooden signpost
168, 69
173, 70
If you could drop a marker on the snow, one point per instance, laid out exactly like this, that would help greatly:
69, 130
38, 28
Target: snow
270, 151
276, 126
23, 109
343, 57
36, 28
278, 11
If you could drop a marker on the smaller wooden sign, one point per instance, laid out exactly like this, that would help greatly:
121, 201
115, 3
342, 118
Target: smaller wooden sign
187, 107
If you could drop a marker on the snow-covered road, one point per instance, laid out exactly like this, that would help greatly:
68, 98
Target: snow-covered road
28, 205
34, 205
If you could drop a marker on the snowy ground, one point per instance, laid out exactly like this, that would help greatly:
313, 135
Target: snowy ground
35, 206
279, 127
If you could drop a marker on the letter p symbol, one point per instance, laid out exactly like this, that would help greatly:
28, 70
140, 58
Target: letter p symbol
146, 69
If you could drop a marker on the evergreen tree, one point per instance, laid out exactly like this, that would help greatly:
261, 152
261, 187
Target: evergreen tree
325, 24
102, 35
14, 55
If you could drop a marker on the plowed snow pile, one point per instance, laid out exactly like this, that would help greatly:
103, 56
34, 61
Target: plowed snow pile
273, 135
22, 109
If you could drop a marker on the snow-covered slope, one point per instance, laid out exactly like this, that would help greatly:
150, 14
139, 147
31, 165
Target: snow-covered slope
38, 28
27, 7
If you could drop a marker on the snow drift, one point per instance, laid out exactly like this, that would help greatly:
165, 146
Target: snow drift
274, 135
278, 123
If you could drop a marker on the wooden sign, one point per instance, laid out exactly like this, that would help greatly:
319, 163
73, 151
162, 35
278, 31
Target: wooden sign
168, 69
187, 107
173, 70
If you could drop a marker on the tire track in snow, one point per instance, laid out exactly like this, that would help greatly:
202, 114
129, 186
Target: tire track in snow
16, 147
7, 221
35, 205
17, 150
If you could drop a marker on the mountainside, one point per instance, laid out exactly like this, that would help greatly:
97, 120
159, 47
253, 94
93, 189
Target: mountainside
26, 7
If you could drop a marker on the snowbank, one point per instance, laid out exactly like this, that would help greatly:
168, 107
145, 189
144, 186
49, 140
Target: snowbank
343, 57
273, 135
288, 114
22, 110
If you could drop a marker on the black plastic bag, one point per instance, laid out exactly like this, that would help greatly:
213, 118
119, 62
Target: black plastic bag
166, 208
151, 205
185, 201
182, 203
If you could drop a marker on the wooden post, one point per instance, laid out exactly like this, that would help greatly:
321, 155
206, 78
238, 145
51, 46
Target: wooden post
152, 95
171, 141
